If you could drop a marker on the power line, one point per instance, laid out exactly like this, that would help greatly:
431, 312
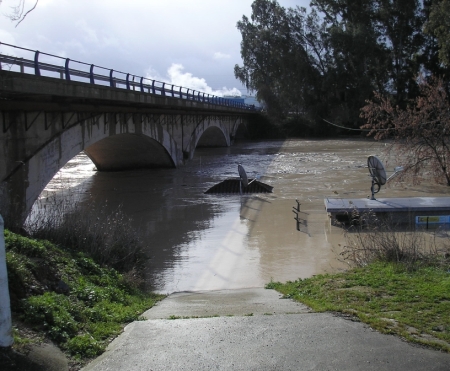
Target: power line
344, 127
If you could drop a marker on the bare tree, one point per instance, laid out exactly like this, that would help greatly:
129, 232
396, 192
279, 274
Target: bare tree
20, 11
420, 133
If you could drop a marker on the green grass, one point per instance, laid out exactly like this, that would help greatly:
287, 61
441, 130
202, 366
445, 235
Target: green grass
412, 304
78, 304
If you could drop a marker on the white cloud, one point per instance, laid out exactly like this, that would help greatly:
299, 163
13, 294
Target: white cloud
6, 37
176, 76
90, 34
201, 35
219, 55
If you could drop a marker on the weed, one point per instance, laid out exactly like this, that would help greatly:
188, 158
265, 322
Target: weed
174, 317
54, 312
83, 317
373, 239
107, 236
84, 346
389, 297
270, 285
19, 340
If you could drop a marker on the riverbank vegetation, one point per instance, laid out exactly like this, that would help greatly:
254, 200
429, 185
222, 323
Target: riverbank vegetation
75, 278
418, 133
399, 283
61, 294
325, 62
414, 305
106, 235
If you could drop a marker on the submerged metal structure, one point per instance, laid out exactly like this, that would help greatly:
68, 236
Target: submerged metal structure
234, 186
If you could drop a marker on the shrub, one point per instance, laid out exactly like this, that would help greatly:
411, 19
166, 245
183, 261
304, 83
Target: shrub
371, 239
107, 236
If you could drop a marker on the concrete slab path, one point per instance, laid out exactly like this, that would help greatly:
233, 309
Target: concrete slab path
256, 330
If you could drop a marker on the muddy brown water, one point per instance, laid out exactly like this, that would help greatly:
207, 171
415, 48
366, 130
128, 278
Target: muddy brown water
200, 241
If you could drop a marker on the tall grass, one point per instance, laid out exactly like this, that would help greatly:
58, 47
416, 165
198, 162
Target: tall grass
370, 239
109, 237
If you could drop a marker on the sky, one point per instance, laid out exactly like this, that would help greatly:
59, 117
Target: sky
189, 43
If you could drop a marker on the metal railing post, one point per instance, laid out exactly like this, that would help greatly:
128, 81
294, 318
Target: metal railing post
111, 80
66, 69
91, 74
6, 338
37, 72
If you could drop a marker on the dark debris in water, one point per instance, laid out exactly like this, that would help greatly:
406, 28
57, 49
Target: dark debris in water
233, 186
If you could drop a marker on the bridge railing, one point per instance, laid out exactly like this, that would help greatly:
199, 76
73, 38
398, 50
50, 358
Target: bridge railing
44, 64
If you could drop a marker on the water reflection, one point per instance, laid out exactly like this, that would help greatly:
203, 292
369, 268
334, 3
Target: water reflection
206, 242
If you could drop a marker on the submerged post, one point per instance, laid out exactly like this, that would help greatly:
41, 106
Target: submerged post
6, 338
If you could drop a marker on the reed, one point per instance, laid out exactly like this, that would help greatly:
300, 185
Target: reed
371, 239
108, 236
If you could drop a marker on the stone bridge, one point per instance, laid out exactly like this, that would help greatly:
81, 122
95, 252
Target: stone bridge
46, 121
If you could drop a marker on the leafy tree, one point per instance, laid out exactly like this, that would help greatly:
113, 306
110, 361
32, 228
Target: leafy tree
401, 23
327, 63
376, 44
430, 50
358, 63
438, 26
270, 56
421, 131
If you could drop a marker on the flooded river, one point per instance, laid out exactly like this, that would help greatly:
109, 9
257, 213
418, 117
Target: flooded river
210, 242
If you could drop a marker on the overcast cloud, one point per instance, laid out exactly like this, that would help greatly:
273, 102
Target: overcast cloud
190, 43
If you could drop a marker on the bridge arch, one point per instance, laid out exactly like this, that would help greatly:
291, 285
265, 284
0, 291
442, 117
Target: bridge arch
123, 145
210, 132
213, 136
129, 151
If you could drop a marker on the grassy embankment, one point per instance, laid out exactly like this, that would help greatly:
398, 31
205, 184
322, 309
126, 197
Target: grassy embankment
399, 284
63, 295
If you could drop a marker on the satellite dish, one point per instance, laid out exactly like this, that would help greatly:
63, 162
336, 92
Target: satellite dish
377, 171
378, 174
243, 175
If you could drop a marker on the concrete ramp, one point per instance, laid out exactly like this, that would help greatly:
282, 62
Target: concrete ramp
291, 338
243, 302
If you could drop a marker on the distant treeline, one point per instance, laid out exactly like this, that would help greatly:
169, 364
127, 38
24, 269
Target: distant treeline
325, 62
